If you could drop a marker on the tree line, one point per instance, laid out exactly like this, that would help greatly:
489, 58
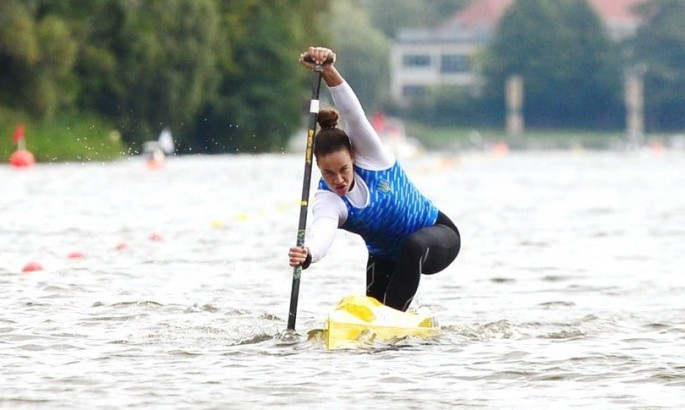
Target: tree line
223, 74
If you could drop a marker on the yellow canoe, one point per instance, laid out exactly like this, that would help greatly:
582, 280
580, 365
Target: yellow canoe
364, 318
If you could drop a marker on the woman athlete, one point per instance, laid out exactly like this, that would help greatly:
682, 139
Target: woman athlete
364, 190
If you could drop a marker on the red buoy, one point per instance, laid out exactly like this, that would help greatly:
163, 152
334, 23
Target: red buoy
76, 255
22, 158
32, 267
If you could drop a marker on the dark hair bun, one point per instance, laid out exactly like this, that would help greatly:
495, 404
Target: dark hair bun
327, 118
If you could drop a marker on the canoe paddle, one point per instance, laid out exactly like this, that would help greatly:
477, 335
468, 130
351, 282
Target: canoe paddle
306, 182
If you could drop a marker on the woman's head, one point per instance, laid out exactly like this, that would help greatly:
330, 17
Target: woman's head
333, 153
330, 138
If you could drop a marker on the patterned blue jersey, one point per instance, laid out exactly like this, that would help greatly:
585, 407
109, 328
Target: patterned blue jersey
396, 209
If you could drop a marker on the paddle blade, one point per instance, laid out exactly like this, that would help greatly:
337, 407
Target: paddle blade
287, 337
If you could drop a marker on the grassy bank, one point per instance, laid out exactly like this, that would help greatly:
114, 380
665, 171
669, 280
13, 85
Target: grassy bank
67, 138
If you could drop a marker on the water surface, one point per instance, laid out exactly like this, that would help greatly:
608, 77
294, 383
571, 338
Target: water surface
568, 291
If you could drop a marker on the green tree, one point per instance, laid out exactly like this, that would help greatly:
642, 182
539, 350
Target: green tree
98, 27
570, 67
37, 54
659, 46
165, 65
363, 52
144, 65
222, 73
388, 16
258, 105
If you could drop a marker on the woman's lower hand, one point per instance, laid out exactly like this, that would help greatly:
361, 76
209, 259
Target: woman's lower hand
297, 255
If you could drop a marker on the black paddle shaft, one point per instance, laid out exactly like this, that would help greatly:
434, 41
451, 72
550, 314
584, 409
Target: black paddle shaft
306, 182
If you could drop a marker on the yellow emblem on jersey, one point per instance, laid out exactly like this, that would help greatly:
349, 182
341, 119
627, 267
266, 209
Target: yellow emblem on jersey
383, 186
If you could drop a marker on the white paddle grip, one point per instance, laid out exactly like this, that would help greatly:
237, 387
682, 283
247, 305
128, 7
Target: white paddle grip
314, 107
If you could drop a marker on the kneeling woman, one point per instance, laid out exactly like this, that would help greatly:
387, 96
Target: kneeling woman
365, 191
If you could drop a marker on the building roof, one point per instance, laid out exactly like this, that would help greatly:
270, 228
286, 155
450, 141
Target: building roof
478, 21
616, 10
486, 13
479, 13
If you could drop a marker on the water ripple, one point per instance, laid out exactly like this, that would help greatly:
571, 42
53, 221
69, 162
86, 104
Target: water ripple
567, 293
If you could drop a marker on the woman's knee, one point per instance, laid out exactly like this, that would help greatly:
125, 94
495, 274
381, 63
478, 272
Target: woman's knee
440, 257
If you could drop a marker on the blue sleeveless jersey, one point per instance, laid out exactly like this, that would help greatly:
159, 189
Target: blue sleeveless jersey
396, 209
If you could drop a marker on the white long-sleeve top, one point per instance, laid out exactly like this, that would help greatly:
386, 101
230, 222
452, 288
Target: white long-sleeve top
329, 210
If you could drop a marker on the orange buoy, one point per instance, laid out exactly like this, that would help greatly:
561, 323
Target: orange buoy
500, 148
22, 158
656, 147
155, 163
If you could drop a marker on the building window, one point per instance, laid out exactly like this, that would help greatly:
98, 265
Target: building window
416, 60
454, 63
411, 91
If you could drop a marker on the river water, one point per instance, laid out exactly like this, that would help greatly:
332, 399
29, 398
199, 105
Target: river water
567, 292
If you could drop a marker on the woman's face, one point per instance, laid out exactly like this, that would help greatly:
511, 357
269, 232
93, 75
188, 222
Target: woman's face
337, 170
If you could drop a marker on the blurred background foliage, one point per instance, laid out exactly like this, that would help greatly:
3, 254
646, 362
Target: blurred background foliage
575, 66
223, 73
658, 50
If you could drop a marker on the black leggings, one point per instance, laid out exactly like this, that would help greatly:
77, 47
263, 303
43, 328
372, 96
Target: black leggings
428, 251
